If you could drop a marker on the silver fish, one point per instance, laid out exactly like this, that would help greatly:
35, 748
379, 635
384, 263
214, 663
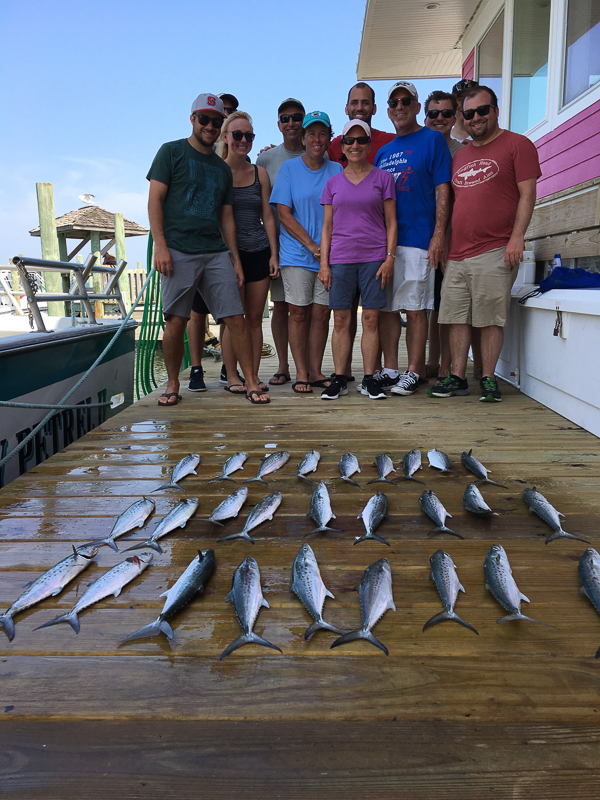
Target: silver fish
320, 509
188, 585
133, 517
308, 586
247, 598
475, 503
187, 466
270, 464
49, 584
309, 463
500, 582
439, 460
589, 575
232, 464
260, 513
384, 466
176, 518
477, 468
372, 516
375, 599
348, 466
436, 512
410, 464
230, 507
546, 512
443, 572
111, 582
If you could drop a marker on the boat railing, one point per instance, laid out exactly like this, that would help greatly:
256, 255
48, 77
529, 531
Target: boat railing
78, 291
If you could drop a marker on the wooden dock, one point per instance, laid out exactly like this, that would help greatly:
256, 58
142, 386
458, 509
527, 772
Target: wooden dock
511, 713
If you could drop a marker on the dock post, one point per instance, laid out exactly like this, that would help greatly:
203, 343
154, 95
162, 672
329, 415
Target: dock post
49, 240
120, 253
97, 276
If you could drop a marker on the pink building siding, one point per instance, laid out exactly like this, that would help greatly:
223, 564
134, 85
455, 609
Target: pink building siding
468, 70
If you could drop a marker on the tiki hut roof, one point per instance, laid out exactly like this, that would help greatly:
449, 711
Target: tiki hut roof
78, 224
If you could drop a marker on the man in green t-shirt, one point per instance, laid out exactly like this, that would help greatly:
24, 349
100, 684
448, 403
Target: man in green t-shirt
191, 217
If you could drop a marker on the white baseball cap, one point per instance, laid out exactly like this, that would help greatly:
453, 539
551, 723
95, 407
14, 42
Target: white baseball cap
208, 102
410, 87
353, 123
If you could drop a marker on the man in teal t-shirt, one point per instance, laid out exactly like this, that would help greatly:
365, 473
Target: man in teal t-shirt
191, 217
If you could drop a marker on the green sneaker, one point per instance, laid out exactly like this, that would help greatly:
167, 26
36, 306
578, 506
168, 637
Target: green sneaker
490, 393
449, 386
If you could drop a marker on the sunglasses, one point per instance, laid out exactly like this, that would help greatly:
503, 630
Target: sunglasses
357, 139
204, 119
464, 84
406, 101
297, 117
230, 110
239, 135
483, 111
446, 113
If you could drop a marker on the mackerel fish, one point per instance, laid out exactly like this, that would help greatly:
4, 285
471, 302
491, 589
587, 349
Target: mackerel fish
309, 463
502, 585
49, 584
372, 516
443, 572
230, 507
477, 468
232, 464
385, 466
436, 512
410, 464
111, 582
441, 461
376, 598
187, 466
260, 513
133, 517
176, 518
308, 586
247, 598
320, 510
188, 585
474, 502
348, 466
589, 575
548, 514
270, 464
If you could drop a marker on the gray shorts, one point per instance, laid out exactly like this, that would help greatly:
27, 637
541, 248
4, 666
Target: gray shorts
210, 273
412, 287
303, 288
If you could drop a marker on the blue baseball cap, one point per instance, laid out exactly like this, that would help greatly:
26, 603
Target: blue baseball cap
316, 116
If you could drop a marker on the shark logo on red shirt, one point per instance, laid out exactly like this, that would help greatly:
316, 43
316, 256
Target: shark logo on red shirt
475, 172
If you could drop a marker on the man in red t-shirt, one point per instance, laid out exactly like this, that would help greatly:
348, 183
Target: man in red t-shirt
494, 181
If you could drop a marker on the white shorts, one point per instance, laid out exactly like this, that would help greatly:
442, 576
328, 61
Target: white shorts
412, 287
302, 287
277, 290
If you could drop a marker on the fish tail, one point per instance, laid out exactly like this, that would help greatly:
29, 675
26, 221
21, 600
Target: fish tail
148, 543
154, 629
378, 480
495, 483
6, 622
247, 638
370, 536
322, 529
70, 617
564, 535
406, 478
241, 535
214, 522
260, 480
349, 480
169, 486
511, 617
320, 625
598, 653
305, 478
448, 616
360, 634
444, 529
107, 541
221, 478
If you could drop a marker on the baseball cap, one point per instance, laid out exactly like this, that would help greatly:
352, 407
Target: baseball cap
290, 101
410, 87
208, 102
316, 116
461, 86
228, 96
353, 123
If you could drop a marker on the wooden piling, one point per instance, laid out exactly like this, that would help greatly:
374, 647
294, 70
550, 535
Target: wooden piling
97, 277
49, 241
120, 253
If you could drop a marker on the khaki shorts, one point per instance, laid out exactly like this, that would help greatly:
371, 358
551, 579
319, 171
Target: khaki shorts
476, 290
412, 286
302, 287
277, 291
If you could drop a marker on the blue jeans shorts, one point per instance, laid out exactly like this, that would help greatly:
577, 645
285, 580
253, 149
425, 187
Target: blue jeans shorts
348, 279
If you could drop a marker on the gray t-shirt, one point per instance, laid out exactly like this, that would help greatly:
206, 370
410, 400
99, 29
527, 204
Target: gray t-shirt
272, 160
455, 146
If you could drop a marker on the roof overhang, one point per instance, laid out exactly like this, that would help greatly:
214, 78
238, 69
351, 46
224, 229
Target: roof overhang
406, 39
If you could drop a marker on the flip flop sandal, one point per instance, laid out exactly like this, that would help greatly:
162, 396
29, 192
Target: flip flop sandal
349, 378
233, 386
324, 383
301, 383
278, 375
168, 396
254, 394
263, 387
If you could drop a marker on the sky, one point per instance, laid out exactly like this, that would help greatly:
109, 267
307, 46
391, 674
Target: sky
89, 91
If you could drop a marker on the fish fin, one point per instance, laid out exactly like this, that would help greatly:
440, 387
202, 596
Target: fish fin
322, 529
391, 605
241, 535
583, 592
448, 616
448, 515
74, 550
371, 536
247, 638
57, 591
154, 629
214, 522
229, 597
349, 480
511, 617
117, 592
486, 587
7, 623
164, 594
495, 483
378, 480
461, 588
264, 603
560, 514
360, 634
333, 516
416, 480
329, 594
431, 578
168, 486
153, 545
564, 535
304, 478
292, 590
523, 597
471, 450
70, 617
444, 530
320, 625
193, 472
598, 653
251, 480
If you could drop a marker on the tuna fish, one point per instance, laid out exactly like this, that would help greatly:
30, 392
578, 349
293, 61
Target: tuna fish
376, 598
320, 510
372, 516
247, 598
410, 464
111, 582
270, 464
443, 572
436, 513
188, 585
309, 463
308, 586
441, 461
232, 464
548, 514
260, 513
133, 517
589, 575
187, 466
477, 468
384, 466
348, 466
230, 507
475, 503
176, 518
51, 583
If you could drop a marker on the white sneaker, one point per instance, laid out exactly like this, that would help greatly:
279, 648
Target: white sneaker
408, 383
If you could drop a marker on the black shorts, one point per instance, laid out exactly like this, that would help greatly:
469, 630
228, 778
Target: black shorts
255, 265
437, 289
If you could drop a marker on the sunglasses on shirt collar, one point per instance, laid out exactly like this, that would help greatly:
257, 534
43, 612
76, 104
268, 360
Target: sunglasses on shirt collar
204, 119
405, 101
483, 111
446, 113
296, 117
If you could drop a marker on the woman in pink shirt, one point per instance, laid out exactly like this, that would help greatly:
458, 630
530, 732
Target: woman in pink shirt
358, 243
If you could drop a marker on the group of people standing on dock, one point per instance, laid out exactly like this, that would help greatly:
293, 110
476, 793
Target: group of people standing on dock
428, 221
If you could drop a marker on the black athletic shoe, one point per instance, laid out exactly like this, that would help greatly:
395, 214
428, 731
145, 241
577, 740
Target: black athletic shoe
372, 388
386, 382
336, 388
490, 393
196, 383
408, 383
223, 378
449, 386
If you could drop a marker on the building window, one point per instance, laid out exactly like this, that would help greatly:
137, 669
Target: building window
529, 64
489, 52
582, 56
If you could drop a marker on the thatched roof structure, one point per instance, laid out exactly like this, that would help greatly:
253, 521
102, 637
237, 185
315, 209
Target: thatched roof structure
78, 224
